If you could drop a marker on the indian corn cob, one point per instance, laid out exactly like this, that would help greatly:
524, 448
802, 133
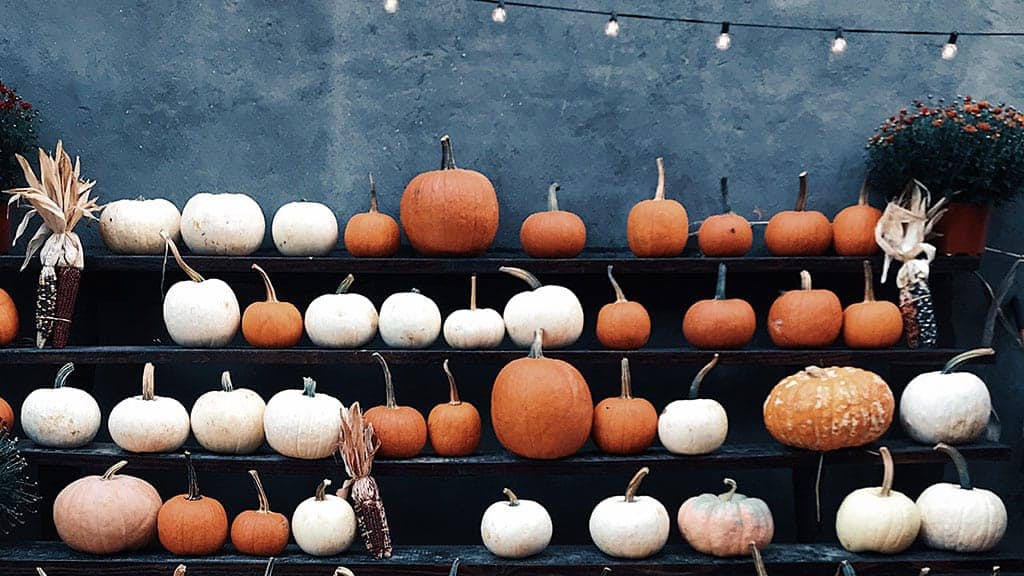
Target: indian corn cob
358, 445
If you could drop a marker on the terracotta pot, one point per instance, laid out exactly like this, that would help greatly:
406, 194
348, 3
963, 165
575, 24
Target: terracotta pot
964, 229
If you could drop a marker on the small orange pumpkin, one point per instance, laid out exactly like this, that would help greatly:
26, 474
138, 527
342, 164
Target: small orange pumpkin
554, 233
192, 524
798, 232
454, 427
623, 324
401, 429
372, 234
727, 234
272, 323
6, 415
658, 228
260, 532
719, 323
8, 318
624, 424
871, 323
805, 318
853, 229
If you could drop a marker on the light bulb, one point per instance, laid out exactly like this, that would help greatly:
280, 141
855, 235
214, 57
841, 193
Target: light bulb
724, 40
499, 15
391, 6
949, 50
611, 28
839, 43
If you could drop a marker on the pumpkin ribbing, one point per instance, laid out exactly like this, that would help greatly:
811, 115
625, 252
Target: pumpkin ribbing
622, 324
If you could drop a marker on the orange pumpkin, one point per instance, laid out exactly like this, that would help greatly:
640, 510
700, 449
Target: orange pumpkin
853, 229
720, 323
659, 227
541, 407
554, 233
192, 524
454, 427
726, 234
451, 211
824, 409
401, 429
271, 324
8, 319
623, 324
372, 234
6, 415
624, 425
798, 232
871, 323
260, 532
805, 318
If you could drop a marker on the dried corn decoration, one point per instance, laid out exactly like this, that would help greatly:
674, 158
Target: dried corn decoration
62, 199
358, 445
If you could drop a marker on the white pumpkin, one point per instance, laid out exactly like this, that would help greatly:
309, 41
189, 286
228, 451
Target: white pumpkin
342, 319
199, 312
554, 309
304, 229
409, 320
960, 517
302, 423
947, 406
878, 519
515, 528
474, 328
134, 226
62, 416
630, 526
325, 524
696, 425
222, 224
148, 423
229, 420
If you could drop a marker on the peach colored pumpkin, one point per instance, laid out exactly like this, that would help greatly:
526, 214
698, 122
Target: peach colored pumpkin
554, 233
871, 323
624, 424
726, 234
853, 229
622, 324
660, 227
798, 232
805, 318
725, 525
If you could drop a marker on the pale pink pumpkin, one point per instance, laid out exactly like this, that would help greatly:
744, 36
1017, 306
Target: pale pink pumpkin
726, 525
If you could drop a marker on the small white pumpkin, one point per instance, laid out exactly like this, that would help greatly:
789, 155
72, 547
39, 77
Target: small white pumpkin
409, 320
342, 319
878, 519
302, 423
696, 425
960, 518
516, 528
222, 224
148, 423
630, 526
62, 416
304, 229
199, 312
947, 406
134, 226
325, 524
474, 328
554, 309
229, 420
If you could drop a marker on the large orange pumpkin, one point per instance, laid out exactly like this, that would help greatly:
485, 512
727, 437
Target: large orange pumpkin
401, 429
6, 415
623, 324
871, 323
271, 323
541, 407
798, 232
659, 227
726, 234
192, 524
260, 532
825, 409
451, 211
8, 319
454, 427
625, 424
554, 233
372, 234
720, 323
853, 229
805, 318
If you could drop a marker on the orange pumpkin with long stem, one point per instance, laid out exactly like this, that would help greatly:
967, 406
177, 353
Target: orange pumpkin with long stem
8, 318
624, 424
372, 234
454, 427
402, 430
798, 232
720, 323
260, 532
871, 323
853, 229
272, 323
726, 234
658, 228
554, 233
805, 318
623, 324
192, 524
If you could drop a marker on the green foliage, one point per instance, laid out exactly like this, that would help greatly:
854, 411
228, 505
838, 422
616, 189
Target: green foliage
17, 135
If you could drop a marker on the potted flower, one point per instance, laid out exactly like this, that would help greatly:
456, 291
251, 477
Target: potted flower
17, 136
967, 150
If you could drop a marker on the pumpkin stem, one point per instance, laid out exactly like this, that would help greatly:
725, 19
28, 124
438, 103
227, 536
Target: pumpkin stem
225, 381
373, 195
606, 571
620, 296
626, 380
727, 497
634, 484
959, 462
816, 372
389, 385
964, 357
109, 474
758, 561
308, 387
862, 198
720, 282
270, 566
996, 570
188, 270
342, 571
193, 480
513, 500
453, 391
271, 293
553, 197
40, 572
869, 282
805, 280
724, 185
472, 292
455, 567
62, 374
345, 284
537, 347
522, 275
148, 381
659, 192
261, 494
887, 471
845, 569
447, 153
321, 490
801, 199
699, 378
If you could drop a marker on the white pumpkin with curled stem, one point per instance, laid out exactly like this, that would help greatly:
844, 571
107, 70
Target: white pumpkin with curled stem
304, 229
516, 528
134, 226
554, 309
303, 423
222, 224
198, 312
630, 526
343, 319
695, 425
878, 519
409, 320
324, 525
148, 423
947, 406
229, 420
62, 416
474, 328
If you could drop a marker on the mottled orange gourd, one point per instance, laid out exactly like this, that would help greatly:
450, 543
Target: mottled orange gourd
402, 430
624, 424
726, 234
871, 323
798, 232
658, 228
191, 524
8, 319
372, 234
622, 324
454, 427
272, 323
853, 228
260, 532
554, 233
805, 318
720, 323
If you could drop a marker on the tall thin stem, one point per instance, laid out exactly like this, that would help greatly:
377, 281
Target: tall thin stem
373, 195
271, 293
447, 154
887, 471
188, 270
453, 391
625, 380
801, 199
724, 185
620, 296
472, 292
148, 381
634, 484
389, 385
261, 494
869, 282
193, 480
659, 193
62, 375
553, 197
699, 378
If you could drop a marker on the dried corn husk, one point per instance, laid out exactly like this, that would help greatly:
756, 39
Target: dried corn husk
358, 445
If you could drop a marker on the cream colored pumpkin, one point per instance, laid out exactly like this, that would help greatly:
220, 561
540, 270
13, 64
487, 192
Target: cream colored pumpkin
409, 320
725, 525
229, 420
198, 312
62, 416
303, 423
148, 423
878, 519
630, 526
304, 229
222, 224
947, 406
134, 226
342, 319
515, 528
474, 328
554, 309
696, 425
325, 524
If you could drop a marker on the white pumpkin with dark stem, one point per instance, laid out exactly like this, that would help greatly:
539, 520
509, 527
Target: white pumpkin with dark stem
409, 320
727, 524
696, 425
878, 519
303, 423
222, 224
630, 526
229, 420
516, 528
304, 229
148, 423
325, 524
554, 309
474, 328
134, 226
947, 406
341, 320
62, 416
199, 312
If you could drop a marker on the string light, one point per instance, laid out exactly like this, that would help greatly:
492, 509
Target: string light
611, 28
839, 43
723, 41
391, 6
949, 50
499, 15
